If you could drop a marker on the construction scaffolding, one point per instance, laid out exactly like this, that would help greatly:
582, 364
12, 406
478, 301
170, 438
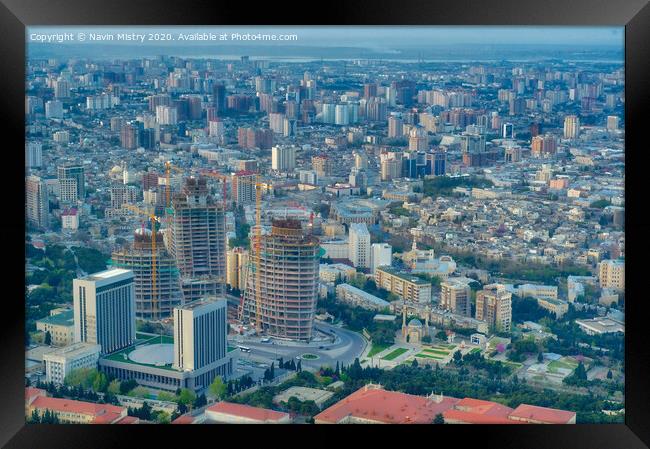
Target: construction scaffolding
157, 288
281, 291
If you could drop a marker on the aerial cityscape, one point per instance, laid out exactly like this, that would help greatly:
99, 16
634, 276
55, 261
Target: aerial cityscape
324, 225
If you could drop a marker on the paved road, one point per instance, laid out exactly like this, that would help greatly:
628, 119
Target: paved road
345, 349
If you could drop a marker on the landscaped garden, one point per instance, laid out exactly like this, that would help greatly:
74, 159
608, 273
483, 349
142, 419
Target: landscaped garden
394, 354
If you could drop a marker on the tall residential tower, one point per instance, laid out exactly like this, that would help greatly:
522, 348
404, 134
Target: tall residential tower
287, 272
198, 240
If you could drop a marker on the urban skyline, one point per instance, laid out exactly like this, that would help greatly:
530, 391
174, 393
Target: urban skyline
423, 228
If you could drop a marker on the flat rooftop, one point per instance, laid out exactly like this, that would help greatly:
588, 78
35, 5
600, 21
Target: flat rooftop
60, 319
303, 394
200, 302
106, 274
74, 350
403, 275
144, 356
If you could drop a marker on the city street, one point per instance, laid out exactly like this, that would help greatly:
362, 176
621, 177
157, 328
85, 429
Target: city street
347, 346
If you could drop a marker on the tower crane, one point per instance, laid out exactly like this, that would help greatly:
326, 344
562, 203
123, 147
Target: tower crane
223, 178
168, 169
257, 247
155, 222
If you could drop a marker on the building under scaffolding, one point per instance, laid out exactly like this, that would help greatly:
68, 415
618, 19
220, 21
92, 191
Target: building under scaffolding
287, 272
151, 303
197, 240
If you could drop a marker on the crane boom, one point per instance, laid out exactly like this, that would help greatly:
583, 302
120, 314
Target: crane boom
154, 272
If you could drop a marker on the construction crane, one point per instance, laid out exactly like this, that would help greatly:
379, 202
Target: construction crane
257, 246
223, 178
168, 168
258, 233
155, 221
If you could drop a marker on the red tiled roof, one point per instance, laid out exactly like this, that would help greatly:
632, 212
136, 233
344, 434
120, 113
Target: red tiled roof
31, 392
390, 407
184, 419
481, 407
462, 417
103, 413
376, 404
128, 420
246, 411
533, 413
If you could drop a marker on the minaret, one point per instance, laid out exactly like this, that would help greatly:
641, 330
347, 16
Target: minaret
404, 319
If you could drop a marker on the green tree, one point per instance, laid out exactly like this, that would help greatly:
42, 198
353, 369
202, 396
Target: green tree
167, 396
35, 418
100, 383
48, 338
540, 357
580, 372
83, 377
113, 387
458, 356
609, 374
140, 392
217, 388
186, 396
439, 419
200, 401
162, 417
127, 386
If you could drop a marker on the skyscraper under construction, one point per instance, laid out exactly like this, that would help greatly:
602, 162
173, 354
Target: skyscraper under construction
198, 240
154, 299
282, 285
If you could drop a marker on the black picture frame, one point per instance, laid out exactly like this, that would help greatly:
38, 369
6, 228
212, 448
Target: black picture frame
17, 14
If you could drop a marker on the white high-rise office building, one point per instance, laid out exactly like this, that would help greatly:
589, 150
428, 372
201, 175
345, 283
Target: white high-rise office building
571, 127
612, 123
34, 155
308, 177
359, 245
200, 330
104, 309
341, 115
167, 115
283, 158
381, 254
54, 109
360, 161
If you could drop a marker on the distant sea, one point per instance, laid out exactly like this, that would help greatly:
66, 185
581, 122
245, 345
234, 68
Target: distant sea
310, 54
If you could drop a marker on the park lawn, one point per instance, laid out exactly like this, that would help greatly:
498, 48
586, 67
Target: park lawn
433, 351
394, 354
447, 348
514, 365
427, 356
475, 350
377, 348
562, 363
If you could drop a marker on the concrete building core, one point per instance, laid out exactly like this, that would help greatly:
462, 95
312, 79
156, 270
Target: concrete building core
198, 240
151, 304
288, 281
